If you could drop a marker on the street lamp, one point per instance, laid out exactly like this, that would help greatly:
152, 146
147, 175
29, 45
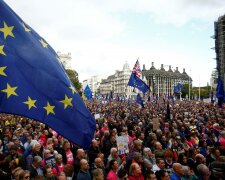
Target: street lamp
153, 79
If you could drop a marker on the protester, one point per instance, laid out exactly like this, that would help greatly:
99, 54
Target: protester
193, 136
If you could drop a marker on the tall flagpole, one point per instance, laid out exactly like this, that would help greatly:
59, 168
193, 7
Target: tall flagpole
199, 89
189, 79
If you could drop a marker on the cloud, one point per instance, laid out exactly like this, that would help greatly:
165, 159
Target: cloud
87, 28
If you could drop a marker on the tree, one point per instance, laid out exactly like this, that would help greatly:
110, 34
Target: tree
74, 79
184, 92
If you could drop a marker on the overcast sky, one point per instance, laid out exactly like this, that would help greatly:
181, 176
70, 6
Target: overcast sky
102, 35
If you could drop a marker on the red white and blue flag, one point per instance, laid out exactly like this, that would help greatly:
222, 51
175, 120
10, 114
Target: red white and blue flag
137, 69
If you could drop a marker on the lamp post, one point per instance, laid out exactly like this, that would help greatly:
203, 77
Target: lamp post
153, 84
189, 82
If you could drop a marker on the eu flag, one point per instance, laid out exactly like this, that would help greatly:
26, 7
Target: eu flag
220, 93
220, 89
178, 88
87, 92
138, 83
140, 101
33, 82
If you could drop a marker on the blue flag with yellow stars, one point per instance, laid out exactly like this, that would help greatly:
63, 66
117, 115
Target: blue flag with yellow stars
33, 82
87, 92
140, 101
136, 82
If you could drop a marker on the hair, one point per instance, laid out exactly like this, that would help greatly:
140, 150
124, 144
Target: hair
201, 142
58, 156
37, 159
168, 153
181, 159
68, 170
111, 163
38, 177
45, 169
191, 152
22, 174
17, 172
65, 142
145, 151
137, 155
121, 173
148, 174
201, 168
221, 159
185, 170
46, 151
132, 167
158, 160
96, 172
112, 150
159, 174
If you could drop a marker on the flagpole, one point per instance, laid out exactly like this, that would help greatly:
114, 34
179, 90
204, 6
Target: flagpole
189, 94
199, 89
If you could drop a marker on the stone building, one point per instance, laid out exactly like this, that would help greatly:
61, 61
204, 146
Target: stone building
162, 81
117, 83
219, 28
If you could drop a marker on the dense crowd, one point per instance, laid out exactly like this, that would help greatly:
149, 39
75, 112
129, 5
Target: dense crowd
189, 143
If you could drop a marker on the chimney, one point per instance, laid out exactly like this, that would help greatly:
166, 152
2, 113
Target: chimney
144, 67
184, 71
152, 68
176, 68
162, 68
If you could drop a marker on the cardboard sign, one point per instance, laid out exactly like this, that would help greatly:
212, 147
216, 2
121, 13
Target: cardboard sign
156, 123
97, 116
122, 144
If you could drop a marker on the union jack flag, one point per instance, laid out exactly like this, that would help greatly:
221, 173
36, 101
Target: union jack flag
137, 69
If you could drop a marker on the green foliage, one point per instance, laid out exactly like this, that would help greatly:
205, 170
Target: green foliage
74, 78
194, 91
204, 91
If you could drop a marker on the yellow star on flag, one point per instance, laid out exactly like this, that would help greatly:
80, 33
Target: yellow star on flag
30, 102
2, 70
44, 44
67, 102
7, 30
73, 89
10, 90
1, 50
25, 27
49, 108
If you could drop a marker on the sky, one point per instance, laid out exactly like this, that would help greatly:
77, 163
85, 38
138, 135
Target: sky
102, 35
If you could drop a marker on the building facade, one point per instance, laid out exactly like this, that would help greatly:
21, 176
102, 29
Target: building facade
65, 59
213, 80
117, 83
162, 82
219, 28
93, 83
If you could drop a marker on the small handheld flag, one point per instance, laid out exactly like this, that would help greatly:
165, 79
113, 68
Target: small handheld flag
178, 88
138, 83
140, 101
87, 92
137, 69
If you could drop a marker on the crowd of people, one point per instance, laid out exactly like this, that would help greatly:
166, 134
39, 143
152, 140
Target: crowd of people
189, 143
